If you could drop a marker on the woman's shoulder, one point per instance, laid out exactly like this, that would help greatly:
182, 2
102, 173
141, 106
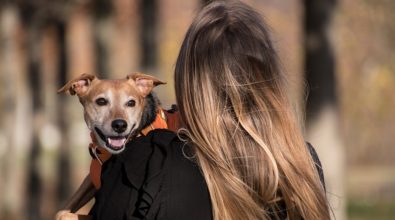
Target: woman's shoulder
155, 173
161, 150
179, 154
185, 188
317, 163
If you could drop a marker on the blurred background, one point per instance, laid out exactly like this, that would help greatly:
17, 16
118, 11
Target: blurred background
338, 55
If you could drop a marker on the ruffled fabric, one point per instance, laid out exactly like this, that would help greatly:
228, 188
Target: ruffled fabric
147, 177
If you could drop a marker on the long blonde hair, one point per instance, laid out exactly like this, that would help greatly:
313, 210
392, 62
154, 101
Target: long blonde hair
232, 100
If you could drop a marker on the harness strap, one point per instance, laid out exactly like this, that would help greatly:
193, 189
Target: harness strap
159, 122
99, 156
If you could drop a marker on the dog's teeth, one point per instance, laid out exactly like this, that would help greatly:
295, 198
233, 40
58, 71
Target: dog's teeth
116, 142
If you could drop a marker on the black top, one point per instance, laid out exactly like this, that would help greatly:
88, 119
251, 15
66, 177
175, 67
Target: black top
154, 179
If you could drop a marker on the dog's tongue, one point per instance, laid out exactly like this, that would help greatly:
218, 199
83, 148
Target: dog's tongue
116, 142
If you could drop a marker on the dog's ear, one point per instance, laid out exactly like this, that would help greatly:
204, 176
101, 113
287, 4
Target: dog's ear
144, 83
79, 85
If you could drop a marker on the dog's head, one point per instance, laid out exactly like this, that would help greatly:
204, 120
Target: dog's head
112, 108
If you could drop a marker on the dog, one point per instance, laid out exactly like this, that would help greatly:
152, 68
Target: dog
115, 112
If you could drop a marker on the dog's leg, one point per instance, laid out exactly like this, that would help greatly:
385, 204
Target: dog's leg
82, 196
65, 215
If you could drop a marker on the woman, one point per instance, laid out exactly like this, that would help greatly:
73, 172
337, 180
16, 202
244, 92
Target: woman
242, 154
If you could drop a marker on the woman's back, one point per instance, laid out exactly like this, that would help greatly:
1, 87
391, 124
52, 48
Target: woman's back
232, 98
157, 178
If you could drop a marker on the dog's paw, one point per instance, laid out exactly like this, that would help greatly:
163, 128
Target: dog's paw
66, 215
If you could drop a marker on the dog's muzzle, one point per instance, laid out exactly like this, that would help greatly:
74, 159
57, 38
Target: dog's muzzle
115, 143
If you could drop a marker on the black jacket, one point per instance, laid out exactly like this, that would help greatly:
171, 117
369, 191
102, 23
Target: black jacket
154, 179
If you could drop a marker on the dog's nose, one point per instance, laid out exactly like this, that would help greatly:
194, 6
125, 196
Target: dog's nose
119, 125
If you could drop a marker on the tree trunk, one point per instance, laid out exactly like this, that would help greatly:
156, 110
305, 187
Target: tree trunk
16, 117
50, 61
63, 167
322, 105
148, 34
34, 183
123, 43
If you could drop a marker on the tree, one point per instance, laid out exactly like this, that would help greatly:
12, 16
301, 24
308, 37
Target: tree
322, 104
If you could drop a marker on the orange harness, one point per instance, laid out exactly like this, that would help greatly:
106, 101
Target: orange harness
101, 155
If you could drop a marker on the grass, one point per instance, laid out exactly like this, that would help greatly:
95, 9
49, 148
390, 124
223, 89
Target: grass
358, 210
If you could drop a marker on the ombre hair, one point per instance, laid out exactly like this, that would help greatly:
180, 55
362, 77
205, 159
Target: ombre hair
237, 116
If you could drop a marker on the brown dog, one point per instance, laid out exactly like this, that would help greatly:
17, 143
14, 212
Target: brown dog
115, 111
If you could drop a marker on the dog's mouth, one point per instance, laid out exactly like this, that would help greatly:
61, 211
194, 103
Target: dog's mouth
116, 143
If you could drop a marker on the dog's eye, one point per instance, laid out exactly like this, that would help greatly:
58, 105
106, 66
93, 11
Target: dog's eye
101, 101
131, 103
